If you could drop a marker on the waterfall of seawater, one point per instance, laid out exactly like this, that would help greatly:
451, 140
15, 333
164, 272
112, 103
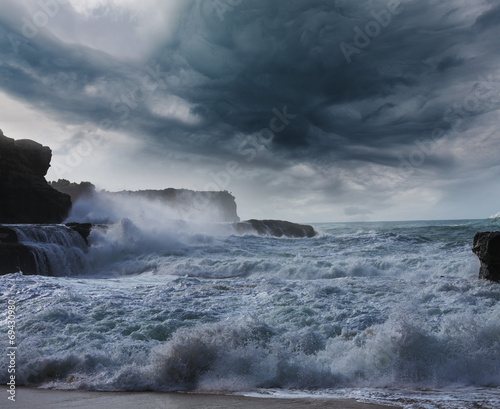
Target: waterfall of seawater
58, 250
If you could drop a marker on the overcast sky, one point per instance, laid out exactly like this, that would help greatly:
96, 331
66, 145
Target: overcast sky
307, 110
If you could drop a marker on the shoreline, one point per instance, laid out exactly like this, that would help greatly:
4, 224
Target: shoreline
33, 398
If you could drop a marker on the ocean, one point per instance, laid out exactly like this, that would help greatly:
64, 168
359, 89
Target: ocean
389, 312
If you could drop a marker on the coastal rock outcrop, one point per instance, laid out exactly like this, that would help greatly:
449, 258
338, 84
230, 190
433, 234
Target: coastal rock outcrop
275, 228
25, 195
487, 247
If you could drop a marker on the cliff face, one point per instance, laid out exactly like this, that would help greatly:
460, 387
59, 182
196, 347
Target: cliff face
75, 190
25, 195
190, 204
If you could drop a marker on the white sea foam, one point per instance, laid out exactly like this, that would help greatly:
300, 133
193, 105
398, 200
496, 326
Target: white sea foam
357, 312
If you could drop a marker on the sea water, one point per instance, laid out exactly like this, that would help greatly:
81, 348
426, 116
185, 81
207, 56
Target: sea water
381, 312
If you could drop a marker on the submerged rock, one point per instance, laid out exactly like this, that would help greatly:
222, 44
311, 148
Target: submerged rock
25, 195
487, 248
276, 228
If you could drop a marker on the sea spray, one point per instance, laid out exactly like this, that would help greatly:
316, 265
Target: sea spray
133, 235
105, 207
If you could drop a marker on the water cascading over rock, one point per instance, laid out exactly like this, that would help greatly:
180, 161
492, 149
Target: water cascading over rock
50, 250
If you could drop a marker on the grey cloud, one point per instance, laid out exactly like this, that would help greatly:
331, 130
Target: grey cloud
234, 70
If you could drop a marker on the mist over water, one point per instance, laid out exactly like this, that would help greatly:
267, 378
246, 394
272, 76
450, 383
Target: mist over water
105, 207
360, 310
142, 235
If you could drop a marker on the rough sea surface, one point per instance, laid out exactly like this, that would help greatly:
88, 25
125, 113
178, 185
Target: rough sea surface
381, 312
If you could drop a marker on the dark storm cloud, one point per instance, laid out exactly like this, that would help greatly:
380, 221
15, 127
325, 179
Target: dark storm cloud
237, 68
490, 18
266, 55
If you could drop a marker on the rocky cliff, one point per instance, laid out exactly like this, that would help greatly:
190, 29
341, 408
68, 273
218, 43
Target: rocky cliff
190, 204
25, 195
75, 190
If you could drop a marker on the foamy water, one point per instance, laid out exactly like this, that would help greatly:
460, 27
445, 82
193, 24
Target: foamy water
381, 312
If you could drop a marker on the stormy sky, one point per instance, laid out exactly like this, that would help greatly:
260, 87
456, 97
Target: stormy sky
307, 110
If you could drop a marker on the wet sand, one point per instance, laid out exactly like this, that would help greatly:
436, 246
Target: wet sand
32, 398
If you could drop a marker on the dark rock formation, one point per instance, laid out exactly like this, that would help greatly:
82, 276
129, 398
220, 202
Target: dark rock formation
25, 195
190, 204
75, 190
15, 256
7, 235
276, 228
83, 229
487, 248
